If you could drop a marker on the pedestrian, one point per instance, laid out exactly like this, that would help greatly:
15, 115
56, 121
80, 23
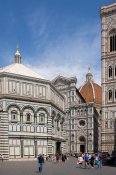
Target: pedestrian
100, 161
40, 162
86, 160
57, 158
80, 161
97, 160
2, 158
92, 161
63, 158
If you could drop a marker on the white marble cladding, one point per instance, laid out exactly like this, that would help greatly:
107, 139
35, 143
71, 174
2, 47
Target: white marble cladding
29, 119
28, 128
108, 30
34, 89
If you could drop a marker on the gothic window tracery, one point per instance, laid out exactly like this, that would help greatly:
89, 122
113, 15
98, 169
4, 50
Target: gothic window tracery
112, 36
72, 123
115, 94
72, 138
110, 95
110, 71
115, 71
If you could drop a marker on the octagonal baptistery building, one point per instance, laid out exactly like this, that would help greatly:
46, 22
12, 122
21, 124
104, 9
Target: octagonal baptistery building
31, 113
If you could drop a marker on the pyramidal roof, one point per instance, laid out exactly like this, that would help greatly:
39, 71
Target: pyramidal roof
19, 69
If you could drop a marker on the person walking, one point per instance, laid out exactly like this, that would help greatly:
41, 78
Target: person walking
80, 161
2, 158
63, 158
92, 161
86, 160
57, 158
100, 161
40, 162
97, 160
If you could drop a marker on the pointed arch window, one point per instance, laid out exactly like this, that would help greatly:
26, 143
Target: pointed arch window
72, 138
110, 71
115, 70
110, 95
112, 40
115, 94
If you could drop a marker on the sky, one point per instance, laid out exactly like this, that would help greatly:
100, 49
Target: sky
55, 37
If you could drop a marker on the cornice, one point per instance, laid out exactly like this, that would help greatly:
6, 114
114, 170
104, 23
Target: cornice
108, 10
35, 80
108, 56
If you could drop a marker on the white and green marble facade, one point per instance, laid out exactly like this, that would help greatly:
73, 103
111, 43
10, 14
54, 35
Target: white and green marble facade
81, 118
108, 60
31, 117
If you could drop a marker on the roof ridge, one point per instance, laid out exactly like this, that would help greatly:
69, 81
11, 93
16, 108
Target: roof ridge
93, 90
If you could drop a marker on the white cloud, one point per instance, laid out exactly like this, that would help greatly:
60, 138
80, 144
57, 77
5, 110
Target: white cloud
68, 54
71, 61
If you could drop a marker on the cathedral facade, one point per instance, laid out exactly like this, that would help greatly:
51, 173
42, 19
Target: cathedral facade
108, 59
82, 116
31, 114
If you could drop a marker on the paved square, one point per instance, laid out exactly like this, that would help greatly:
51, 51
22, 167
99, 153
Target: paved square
67, 168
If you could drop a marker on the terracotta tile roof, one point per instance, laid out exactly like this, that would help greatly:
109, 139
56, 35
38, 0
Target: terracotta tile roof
91, 92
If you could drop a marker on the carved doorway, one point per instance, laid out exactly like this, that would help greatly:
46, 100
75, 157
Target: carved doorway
82, 143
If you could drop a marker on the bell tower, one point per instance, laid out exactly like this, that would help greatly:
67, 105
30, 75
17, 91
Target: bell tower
108, 60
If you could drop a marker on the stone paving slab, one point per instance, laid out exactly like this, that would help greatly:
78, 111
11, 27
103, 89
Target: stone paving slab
50, 168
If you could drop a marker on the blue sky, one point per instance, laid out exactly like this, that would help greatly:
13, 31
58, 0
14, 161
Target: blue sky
55, 37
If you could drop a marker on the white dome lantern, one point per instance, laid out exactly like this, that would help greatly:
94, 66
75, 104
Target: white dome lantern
17, 55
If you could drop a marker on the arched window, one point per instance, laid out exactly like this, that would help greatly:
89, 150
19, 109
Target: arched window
115, 70
112, 40
72, 138
14, 116
115, 94
110, 71
42, 118
57, 123
110, 95
28, 117
53, 117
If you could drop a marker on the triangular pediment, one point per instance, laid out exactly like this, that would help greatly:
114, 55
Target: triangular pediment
61, 81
